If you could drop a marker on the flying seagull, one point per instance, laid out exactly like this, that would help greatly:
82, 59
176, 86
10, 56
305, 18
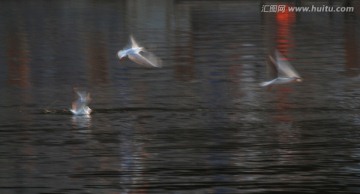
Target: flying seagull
79, 106
285, 71
139, 55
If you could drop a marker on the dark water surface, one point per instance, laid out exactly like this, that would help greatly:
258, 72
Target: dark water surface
201, 123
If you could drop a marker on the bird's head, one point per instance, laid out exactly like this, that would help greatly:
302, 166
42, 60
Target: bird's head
121, 54
298, 79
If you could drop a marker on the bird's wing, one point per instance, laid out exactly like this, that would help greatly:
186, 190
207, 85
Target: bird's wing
150, 59
267, 83
272, 67
285, 69
133, 42
83, 98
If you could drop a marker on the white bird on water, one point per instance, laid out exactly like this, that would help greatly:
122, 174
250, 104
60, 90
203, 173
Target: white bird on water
285, 71
133, 52
79, 106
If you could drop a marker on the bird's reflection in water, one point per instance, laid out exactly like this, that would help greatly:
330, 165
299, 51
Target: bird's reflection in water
81, 121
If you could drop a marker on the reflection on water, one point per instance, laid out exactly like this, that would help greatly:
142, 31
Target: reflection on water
351, 46
81, 121
17, 61
200, 124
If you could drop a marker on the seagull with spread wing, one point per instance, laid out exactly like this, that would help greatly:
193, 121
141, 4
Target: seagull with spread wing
139, 55
80, 106
285, 71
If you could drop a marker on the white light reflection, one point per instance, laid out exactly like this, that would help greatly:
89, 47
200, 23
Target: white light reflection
81, 121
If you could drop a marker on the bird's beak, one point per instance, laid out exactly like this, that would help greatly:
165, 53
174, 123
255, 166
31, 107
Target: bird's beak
299, 79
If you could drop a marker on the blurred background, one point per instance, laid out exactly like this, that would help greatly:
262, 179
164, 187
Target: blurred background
199, 124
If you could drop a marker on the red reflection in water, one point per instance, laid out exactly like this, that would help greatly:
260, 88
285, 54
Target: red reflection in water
285, 17
282, 105
352, 64
284, 35
18, 60
97, 59
284, 40
184, 68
